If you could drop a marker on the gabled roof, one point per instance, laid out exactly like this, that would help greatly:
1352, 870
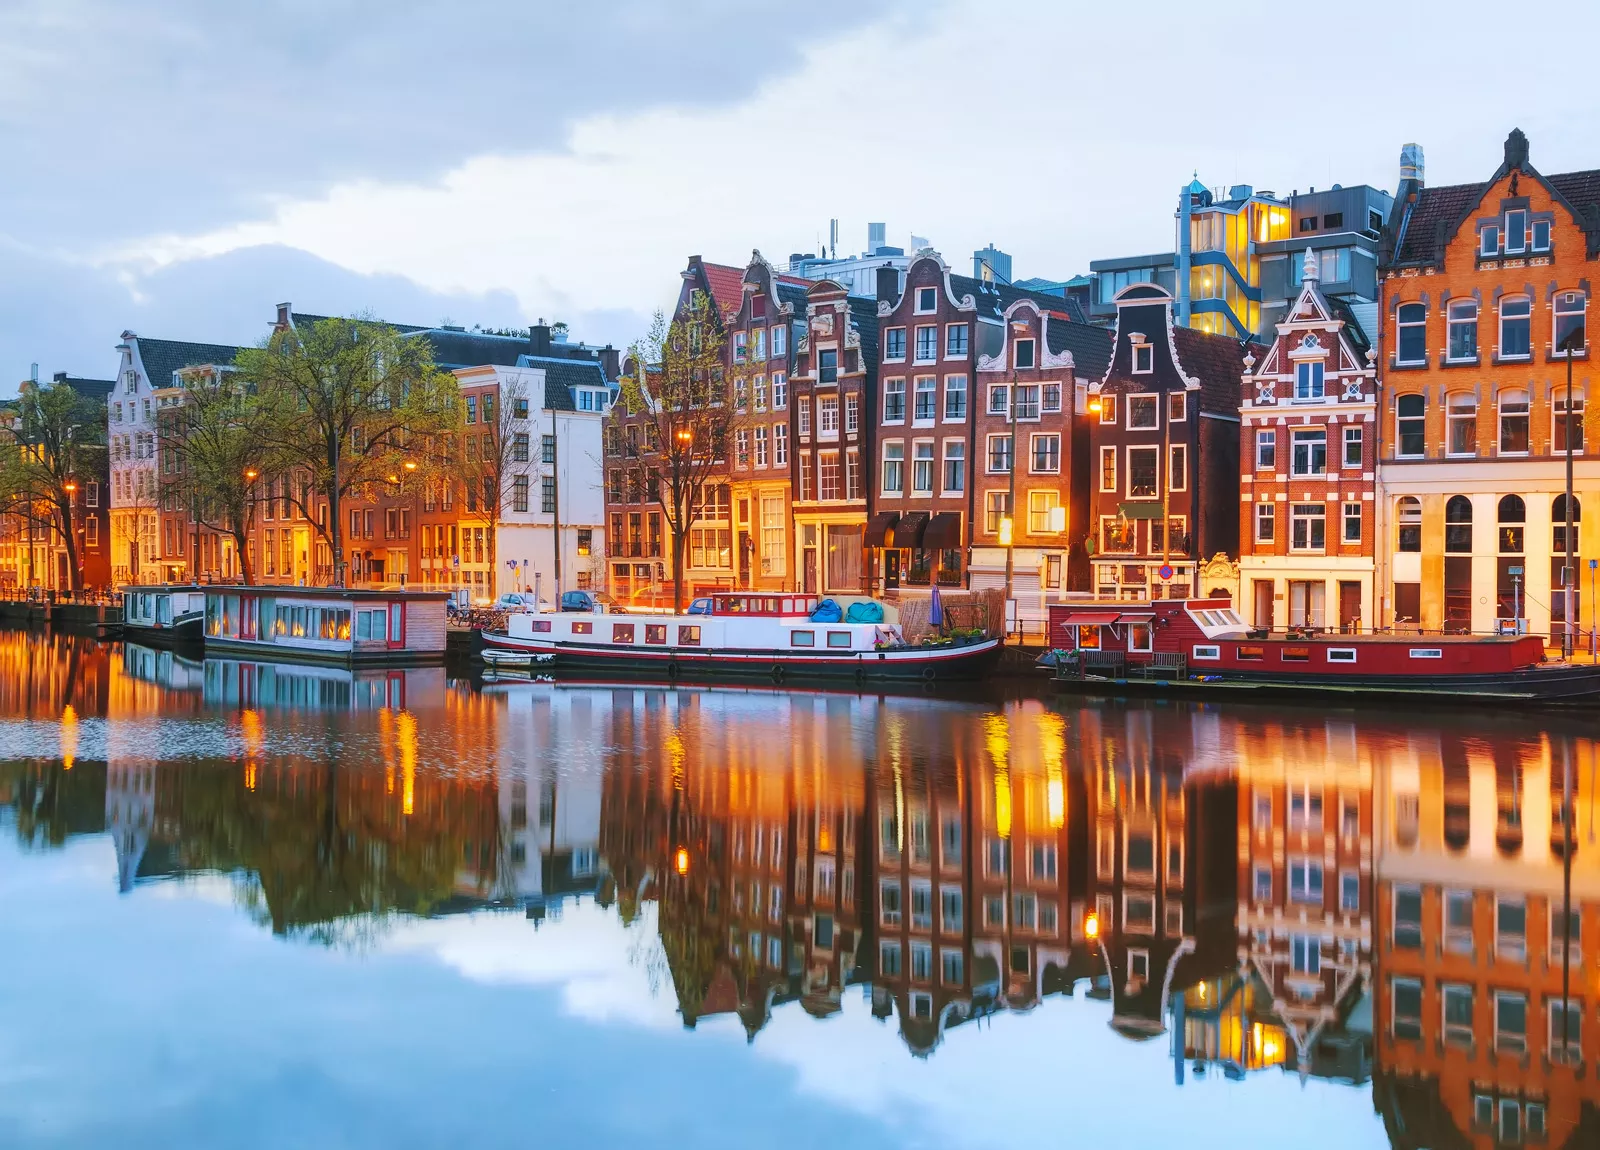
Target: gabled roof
726, 285
92, 388
452, 349
864, 315
993, 298
1090, 346
162, 357
1217, 361
562, 375
306, 319
1437, 213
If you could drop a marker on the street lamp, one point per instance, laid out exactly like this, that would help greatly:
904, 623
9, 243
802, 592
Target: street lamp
1573, 341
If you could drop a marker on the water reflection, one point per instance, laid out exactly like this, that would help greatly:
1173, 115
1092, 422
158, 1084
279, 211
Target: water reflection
1372, 901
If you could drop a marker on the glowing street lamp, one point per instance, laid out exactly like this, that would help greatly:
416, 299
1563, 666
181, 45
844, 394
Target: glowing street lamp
680, 861
250, 474
1091, 926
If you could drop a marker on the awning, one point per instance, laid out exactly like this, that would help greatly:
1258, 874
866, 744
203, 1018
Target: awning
1141, 510
879, 526
908, 532
943, 533
1088, 618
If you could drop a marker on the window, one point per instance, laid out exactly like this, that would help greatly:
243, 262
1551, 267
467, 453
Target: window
1046, 454
1567, 432
1457, 1011
922, 467
1350, 891
955, 467
1142, 467
803, 417
1263, 884
1411, 333
798, 638
1410, 420
1305, 881
1513, 422
1510, 1022
1405, 996
927, 300
780, 391
828, 365
1108, 408
894, 343
1566, 1030
1516, 327
1144, 357
955, 340
1177, 407
519, 493
1516, 231
1462, 323
955, 398
761, 446
740, 340
622, 632
780, 340
999, 399
1511, 928
741, 447
1489, 240
1352, 523
1178, 467
1143, 413
996, 506
1569, 313
852, 413
1024, 354
852, 474
828, 416
1266, 522
894, 455
1353, 437
1310, 452
1305, 954
1000, 454
1461, 419
1305, 810
926, 404
1042, 506
894, 401
1308, 381
921, 906
1266, 450
472, 409
927, 343
1027, 401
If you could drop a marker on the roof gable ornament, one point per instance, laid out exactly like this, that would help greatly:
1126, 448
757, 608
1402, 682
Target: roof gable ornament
1516, 150
1312, 270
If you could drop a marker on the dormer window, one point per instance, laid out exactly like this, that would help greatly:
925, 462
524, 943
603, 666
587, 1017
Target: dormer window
1144, 356
1025, 353
927, 300
1489, 240
1541, 235
177, 379
1516, 231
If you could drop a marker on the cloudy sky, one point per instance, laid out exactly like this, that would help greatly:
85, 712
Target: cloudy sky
177, 167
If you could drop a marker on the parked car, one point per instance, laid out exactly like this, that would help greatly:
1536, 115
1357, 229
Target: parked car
516, 601
699, 607
597, 602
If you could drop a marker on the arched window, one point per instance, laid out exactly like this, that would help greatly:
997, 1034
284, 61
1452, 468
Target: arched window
1513, 421
1410, 426
1411, 333
1516, 327
1461, 414
1562, 428
1408, 514
1558, 520
1458, 525
1513, 514
1463, 330
1569, 307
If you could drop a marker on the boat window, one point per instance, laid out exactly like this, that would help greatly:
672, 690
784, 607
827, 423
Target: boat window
1427, 653
1295, 654
772, 606
802, 638
655, 632
1341, 654
1207, 651
622, 632
1139, 636
838, 638
1088, 637
1252, 652
583, 628
541, 624
689, 636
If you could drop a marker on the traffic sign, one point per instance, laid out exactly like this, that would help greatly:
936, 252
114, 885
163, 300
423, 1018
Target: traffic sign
1165, 571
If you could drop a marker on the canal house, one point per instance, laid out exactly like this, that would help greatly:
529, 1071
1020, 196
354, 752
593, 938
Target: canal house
326, 624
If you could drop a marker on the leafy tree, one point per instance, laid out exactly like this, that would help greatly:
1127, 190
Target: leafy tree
214, 454
677, 391
54, 442
346, 402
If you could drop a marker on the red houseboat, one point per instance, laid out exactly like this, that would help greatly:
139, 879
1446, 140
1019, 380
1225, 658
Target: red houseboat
1203, 647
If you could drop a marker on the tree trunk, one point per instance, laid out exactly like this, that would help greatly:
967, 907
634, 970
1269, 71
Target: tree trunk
679, 538
335, 534
241, 547
74, 572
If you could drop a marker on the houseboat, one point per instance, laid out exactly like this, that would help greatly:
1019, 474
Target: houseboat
166, 668
326, 625
768, 636
163, 613
1200, 647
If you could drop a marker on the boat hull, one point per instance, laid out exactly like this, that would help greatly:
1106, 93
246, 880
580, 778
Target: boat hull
910, 664
1555, 685
184, 631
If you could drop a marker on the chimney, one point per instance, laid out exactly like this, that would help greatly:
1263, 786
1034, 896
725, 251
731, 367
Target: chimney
610, 363
1411, 163
889, 284
539, 337
283, 316
33, 374
59, 377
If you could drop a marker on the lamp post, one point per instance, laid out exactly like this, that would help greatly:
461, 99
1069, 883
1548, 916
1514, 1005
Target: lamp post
71, 488
1008, 525
1573, 341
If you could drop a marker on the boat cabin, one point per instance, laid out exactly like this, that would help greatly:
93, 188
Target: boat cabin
1207, 636
161, 605
326, 624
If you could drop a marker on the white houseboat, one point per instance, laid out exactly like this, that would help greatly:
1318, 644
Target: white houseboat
326, 624
163, 613
768, 636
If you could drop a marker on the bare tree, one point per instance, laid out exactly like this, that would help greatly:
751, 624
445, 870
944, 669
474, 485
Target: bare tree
499, 462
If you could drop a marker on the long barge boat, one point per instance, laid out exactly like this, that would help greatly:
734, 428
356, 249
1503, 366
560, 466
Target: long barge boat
1203, 648
749, 635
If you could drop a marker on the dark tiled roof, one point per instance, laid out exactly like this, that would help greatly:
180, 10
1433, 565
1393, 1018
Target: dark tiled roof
1090, 346
453, 349
1352, 326
1217, 361
162, 357
306, 319
791, 293
726, 285
994, 298
1438, 212
562, 375
864, 314
92, 388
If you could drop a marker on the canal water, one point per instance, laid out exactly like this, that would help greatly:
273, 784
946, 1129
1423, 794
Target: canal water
254, 906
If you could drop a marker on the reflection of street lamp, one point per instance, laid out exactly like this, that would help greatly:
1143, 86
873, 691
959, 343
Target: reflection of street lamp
680, 861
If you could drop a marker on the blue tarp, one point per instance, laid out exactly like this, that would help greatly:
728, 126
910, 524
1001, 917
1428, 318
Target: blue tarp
867, 611
827, 612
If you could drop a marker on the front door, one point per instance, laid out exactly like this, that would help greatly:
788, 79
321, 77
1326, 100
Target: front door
891, 570
1349, 607
745, 548
302, 555
811, 571
1262, 591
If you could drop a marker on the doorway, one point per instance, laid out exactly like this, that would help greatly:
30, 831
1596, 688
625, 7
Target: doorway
1261, 595
1349, 607
1307, 603
891, 570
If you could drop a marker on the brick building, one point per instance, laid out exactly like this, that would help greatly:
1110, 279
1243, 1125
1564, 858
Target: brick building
1164, 434
1484, 284
1308, 452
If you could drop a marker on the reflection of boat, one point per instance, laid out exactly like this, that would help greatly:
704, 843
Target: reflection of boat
165, 668
163, 614
326, 624
763, 636
234, 682
1201, 647
507, 659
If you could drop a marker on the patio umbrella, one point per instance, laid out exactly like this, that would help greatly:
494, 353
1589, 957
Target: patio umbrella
935, 609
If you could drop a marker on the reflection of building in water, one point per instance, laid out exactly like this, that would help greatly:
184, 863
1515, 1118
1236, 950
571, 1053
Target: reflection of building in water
1300, 995
233, 682
174, 673
130, 815
44, 672
1471, 941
